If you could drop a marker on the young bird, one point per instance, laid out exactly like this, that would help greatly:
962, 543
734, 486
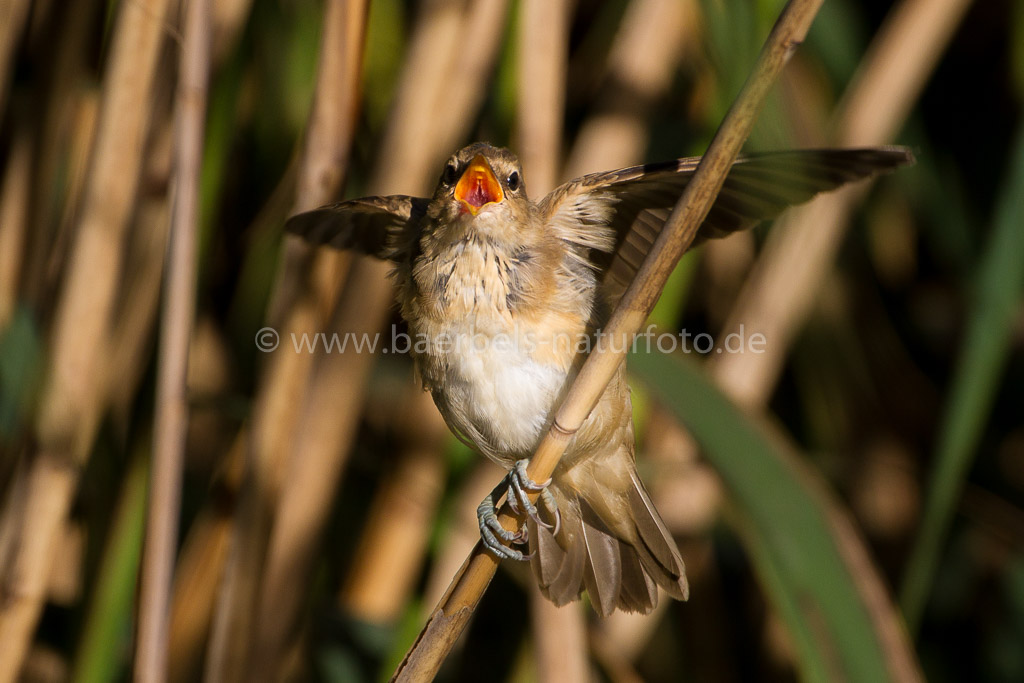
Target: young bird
500, 294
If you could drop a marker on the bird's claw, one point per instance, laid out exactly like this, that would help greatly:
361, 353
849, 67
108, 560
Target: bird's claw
492, 533
518, 485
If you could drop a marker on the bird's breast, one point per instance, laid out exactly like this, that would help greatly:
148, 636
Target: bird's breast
495, 356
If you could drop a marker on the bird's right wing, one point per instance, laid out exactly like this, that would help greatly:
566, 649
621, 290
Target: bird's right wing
371, 225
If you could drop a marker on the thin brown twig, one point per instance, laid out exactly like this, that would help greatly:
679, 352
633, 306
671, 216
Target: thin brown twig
559, 633
74, 391
473, 61
451, 615
172, 366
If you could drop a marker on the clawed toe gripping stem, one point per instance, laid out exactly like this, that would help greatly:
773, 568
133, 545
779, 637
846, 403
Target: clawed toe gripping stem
517, 486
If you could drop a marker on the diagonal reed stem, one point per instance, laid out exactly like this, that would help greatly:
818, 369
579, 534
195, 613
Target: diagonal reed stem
453, 612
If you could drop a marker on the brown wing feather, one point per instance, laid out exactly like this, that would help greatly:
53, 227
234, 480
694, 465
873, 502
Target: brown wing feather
370, 225
758, 187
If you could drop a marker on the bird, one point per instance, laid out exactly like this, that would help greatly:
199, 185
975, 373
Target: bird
501, 294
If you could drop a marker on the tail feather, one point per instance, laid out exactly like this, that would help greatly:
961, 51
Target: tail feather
603, 575
639, 591
669, 572
620, 562
559, 564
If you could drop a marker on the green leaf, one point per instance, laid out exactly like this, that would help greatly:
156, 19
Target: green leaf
790, 525
107, 632
996, 301
21, 364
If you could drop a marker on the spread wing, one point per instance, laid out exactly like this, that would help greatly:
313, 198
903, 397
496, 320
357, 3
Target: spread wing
635, 202
371, 225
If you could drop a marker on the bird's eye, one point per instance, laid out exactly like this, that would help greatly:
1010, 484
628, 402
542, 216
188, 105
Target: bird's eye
450, 173
513, 181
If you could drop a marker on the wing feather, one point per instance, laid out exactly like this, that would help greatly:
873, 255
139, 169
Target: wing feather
758, 187
371, 225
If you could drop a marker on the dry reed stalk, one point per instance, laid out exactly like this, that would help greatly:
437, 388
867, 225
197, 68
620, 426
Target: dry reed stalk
558, 634
451, 615
295, 308
409, 157
329, 136
74, 391
391, 549
461, 533
196, 580
13, 14
324, 430
14, 502
474, 62
543, 54
411, 150
780, 290
66, 130
14, 200
608, 653
652, 39
647, 49
135, 322
198, 576
171, 421
560, 642
50, 241
378, 583
229, 18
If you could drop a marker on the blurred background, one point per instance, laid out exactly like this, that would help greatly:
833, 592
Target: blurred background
856, 511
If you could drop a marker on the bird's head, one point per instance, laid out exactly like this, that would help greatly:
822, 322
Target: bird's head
481, 189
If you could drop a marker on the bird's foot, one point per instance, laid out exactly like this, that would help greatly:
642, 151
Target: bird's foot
492, 533
520, 485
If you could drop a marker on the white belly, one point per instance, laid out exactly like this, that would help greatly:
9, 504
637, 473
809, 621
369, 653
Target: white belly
495, 389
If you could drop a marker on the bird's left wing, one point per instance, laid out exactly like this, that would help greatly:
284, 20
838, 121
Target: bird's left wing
635, 202
371, 225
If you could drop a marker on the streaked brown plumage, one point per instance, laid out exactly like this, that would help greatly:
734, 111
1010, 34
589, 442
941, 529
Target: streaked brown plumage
501, 289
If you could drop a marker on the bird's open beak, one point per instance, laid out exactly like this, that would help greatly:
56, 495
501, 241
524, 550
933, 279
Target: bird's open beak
478, 187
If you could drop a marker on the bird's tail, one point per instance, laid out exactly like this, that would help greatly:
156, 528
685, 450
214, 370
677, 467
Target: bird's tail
613, 542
